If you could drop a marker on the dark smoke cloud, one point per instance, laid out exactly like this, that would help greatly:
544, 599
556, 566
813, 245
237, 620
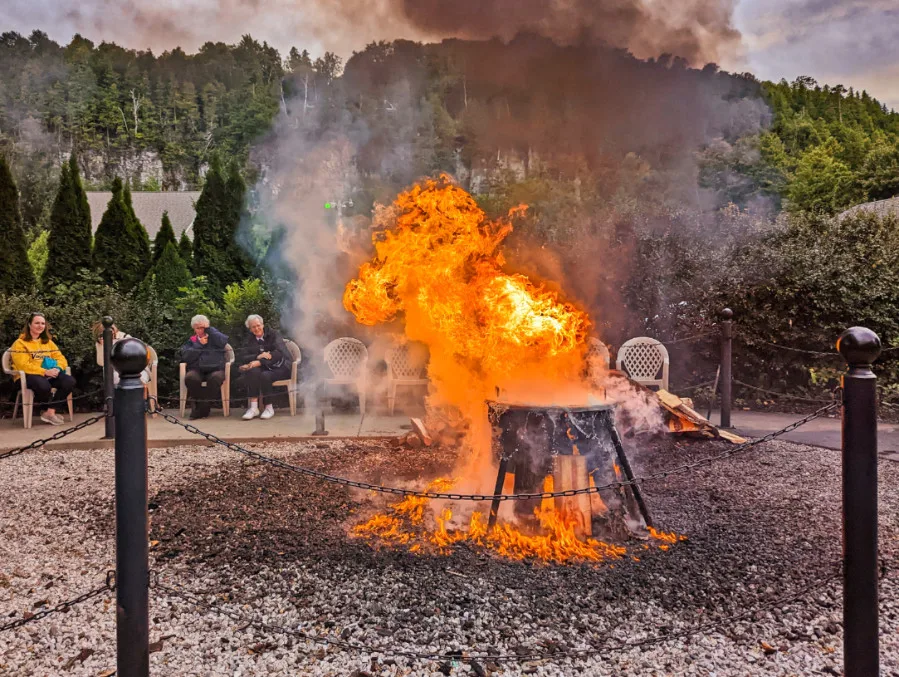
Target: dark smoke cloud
697, 30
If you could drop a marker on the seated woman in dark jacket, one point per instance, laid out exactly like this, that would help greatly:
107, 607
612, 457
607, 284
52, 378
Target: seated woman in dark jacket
204, 353
264, 360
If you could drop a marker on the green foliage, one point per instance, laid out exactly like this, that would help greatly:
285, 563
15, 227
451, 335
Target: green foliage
69, 244
879, 174
186, 250
804, 283
37, 254
112, 240
169, 274
165, 236
821, 183
244, 298
139, 236
15, 270
217, 254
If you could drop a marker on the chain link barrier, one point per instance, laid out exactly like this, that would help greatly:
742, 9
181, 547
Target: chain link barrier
779, 394
63, 607
619, 484
467, 656
37, 444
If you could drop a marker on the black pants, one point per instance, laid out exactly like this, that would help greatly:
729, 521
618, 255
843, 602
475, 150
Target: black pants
41, 385
257, 381
201, 395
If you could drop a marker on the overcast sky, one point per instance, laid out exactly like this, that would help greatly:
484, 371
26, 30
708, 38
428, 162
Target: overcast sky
849, 42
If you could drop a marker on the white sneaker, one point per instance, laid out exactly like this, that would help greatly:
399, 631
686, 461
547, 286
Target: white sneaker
52, 420
268, 413
252, 413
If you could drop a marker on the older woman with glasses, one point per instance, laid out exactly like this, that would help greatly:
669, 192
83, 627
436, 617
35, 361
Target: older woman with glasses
264, 359
204, 353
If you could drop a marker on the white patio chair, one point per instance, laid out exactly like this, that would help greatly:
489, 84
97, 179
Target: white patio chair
347, 358
153, 386
597, 359
290, 383
226, 384
403, 369
26, 394
642, 358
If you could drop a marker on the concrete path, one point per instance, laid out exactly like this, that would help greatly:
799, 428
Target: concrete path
822, 432
160, 433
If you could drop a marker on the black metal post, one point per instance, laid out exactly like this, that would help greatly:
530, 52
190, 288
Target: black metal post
108, 381
860, 347
727, 336
629, 475
129, 357
497, 491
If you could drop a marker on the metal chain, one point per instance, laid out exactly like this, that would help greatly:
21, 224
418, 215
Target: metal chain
489, 497
108, 586
779, 394
58, 436
686, 339
696, 386
464, 656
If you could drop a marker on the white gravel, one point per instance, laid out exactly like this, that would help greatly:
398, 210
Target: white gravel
51, 549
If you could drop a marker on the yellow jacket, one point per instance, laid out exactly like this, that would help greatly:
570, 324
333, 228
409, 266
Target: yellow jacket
27, 356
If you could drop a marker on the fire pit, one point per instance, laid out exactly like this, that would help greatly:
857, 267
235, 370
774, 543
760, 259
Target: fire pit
577, 447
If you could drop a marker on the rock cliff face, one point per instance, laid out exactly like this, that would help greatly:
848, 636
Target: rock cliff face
144, 169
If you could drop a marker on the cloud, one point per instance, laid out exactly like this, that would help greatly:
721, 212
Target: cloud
852, 42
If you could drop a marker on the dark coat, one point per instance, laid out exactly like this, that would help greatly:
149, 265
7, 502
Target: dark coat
205, 358
270, 342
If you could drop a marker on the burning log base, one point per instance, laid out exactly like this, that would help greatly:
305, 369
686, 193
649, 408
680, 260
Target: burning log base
561, 449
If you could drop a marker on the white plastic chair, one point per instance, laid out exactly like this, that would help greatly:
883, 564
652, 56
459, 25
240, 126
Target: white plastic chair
26, 394
642, 359
402, 370
291, 383
153, 386
226, 384
347, 358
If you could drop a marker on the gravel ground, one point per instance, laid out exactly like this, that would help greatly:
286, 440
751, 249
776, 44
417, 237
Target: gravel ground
270, 547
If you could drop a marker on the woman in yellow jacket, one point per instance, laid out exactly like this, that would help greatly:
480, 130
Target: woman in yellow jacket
36, 354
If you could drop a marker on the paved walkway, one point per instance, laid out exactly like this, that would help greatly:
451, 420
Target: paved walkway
160, 433
822, 432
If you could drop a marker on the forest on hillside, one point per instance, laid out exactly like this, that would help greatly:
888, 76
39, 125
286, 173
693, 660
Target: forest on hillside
584, 112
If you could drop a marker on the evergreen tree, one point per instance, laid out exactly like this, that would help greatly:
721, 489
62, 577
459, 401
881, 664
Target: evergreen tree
118, 258
15, 269
879, 175
139, 236
69, 244
186, 250
169, 273
217, 255
821, 183
165, 235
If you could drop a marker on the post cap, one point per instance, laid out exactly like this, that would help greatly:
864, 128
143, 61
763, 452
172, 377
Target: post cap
107, 321
129, 357
859, 346
727, 314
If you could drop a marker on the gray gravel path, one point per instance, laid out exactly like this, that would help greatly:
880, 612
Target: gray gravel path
759, 527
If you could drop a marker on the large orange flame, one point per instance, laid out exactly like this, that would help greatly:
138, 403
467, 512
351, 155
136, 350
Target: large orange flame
437, 266
403, 524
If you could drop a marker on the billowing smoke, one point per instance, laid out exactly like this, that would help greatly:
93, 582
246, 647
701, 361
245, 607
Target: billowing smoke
699, 31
